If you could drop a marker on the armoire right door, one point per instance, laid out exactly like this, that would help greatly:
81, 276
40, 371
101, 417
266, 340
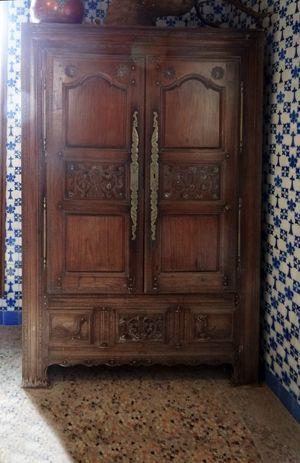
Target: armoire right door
193, 111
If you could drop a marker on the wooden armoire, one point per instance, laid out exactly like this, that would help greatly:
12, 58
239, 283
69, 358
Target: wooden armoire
141, 197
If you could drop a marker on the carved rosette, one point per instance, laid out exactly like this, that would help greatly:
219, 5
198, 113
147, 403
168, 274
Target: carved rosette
169, 73
197, 182
71, 70
217, 73
100, 181
141, 328
122, 71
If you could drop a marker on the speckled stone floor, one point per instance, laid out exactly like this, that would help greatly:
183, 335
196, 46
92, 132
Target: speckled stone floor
181, 415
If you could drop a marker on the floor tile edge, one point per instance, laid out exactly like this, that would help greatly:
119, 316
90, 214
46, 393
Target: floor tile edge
10, 318
284, 396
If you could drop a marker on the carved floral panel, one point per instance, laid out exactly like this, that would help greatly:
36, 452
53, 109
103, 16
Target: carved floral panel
191, 182
95, 181
141, 328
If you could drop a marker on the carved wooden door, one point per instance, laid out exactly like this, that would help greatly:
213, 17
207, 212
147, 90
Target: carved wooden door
192, 143
94, 108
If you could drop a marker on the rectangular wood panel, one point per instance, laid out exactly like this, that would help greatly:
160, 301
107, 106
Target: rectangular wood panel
94, 243
70, 326
190, 243
192, 115
96, 114
207, 327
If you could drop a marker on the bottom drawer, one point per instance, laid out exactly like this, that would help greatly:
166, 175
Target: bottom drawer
177, 326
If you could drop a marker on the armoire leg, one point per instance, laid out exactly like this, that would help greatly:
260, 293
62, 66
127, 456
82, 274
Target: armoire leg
35, 381
236, 375
245, 373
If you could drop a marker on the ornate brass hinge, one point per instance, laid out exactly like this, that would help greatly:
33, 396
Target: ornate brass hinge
130, 284
225, 280
237, 299
241, 117
44, 232
155, 283
45, 147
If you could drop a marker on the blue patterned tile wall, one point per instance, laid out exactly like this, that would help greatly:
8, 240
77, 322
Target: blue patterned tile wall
281, 196
10, 305
281, 256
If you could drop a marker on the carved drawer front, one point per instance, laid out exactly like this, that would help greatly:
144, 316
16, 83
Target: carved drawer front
188, 325
145, 327
114, 326
177, 326
70, 328
211, 327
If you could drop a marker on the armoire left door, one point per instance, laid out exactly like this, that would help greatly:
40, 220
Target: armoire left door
93, 210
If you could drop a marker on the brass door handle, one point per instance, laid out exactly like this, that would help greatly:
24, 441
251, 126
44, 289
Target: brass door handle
239, 240
44, 232
154, 176
134, 176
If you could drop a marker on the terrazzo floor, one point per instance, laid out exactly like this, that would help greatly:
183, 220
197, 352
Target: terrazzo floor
181, 415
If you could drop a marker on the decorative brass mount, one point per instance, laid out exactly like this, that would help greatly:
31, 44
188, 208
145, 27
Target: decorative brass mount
154, 176
134, 175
